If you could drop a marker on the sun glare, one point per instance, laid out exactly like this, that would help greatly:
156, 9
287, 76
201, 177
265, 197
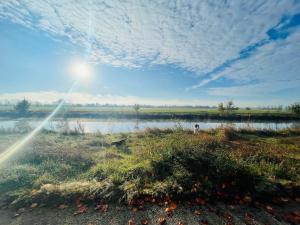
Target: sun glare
81, 70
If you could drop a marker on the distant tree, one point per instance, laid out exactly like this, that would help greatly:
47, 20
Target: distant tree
295, 108
229, 106
136, 108
221, 107
22, 107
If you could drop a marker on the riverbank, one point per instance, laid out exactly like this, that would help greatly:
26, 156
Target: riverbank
160, 167
156, 113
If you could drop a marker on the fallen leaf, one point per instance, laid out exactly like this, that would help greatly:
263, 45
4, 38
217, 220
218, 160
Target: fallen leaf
204, 222
200, 201
173, 205
162, 220
131, 222
102, 208
169, 211
228, 216
296, 213
81, 209
135, 209
197, 212
144, 221
248, 217
180, 223
247, 199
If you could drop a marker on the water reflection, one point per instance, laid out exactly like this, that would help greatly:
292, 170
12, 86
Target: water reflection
120, 126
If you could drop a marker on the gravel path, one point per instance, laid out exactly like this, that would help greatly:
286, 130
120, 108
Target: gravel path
216, 214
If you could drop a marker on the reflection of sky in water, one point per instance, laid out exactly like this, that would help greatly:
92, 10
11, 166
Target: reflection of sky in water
117, 126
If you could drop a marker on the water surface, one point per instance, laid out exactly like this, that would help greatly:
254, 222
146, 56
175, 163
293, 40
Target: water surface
124, 126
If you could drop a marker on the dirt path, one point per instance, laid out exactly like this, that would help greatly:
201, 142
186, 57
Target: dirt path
217, 214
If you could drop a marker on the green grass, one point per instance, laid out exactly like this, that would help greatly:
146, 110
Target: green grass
145, 110
151, 163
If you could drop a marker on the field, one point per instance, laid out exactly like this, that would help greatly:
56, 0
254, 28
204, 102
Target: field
155, 113
156, 166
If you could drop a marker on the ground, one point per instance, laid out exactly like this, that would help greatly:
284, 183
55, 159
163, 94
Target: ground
220, 173
210, 214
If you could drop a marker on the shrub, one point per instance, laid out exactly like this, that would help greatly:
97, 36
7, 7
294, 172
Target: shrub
22, 107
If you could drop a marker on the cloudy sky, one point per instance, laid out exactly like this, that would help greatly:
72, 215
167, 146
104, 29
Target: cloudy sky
152, 52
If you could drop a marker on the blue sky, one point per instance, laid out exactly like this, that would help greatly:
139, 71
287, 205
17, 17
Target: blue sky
158, 52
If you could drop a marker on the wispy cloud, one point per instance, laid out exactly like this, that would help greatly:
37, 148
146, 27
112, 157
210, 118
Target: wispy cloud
196, 35
50, 97
244, 41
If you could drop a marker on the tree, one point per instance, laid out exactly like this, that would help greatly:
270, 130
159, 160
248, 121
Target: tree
221, 107
230, 106
295, 108
136, 109
22, 107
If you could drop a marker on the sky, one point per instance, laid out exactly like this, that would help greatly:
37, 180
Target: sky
152, 52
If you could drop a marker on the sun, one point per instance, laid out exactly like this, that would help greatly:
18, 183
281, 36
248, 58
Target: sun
81, 70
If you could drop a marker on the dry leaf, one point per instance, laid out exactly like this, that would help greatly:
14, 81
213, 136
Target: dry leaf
131, 222
162, 220
144, 221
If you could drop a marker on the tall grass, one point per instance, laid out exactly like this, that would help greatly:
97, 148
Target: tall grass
155, 163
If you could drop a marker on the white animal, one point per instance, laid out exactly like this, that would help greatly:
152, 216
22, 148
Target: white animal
196, 128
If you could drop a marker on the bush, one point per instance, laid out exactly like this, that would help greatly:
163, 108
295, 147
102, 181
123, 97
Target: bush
22, 107
295, 108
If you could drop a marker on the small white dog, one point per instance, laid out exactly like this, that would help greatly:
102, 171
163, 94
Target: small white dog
196, 128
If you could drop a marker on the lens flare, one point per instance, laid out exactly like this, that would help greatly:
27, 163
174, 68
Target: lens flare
21, 143
81, 71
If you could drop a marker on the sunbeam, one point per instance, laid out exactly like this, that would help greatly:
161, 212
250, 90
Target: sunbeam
81, 71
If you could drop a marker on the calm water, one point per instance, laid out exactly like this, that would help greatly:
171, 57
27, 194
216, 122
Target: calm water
117, 126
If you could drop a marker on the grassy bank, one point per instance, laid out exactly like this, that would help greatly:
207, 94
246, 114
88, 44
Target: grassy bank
224, 164
189, 113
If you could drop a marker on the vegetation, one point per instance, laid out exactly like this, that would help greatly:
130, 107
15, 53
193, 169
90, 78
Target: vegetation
147, 112
221, 107
22, 107
225, 164
295, 108
136, 108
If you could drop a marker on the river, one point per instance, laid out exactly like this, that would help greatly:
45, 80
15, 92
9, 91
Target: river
125, 126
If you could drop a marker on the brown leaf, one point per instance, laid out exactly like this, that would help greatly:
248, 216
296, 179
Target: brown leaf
81, 209
200, 201
180, 223
296, 213
103, 208
197, 212
162, 220
131, 222
169, 211
204, 222
135, 209
144, 221
173, 205
247, 199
